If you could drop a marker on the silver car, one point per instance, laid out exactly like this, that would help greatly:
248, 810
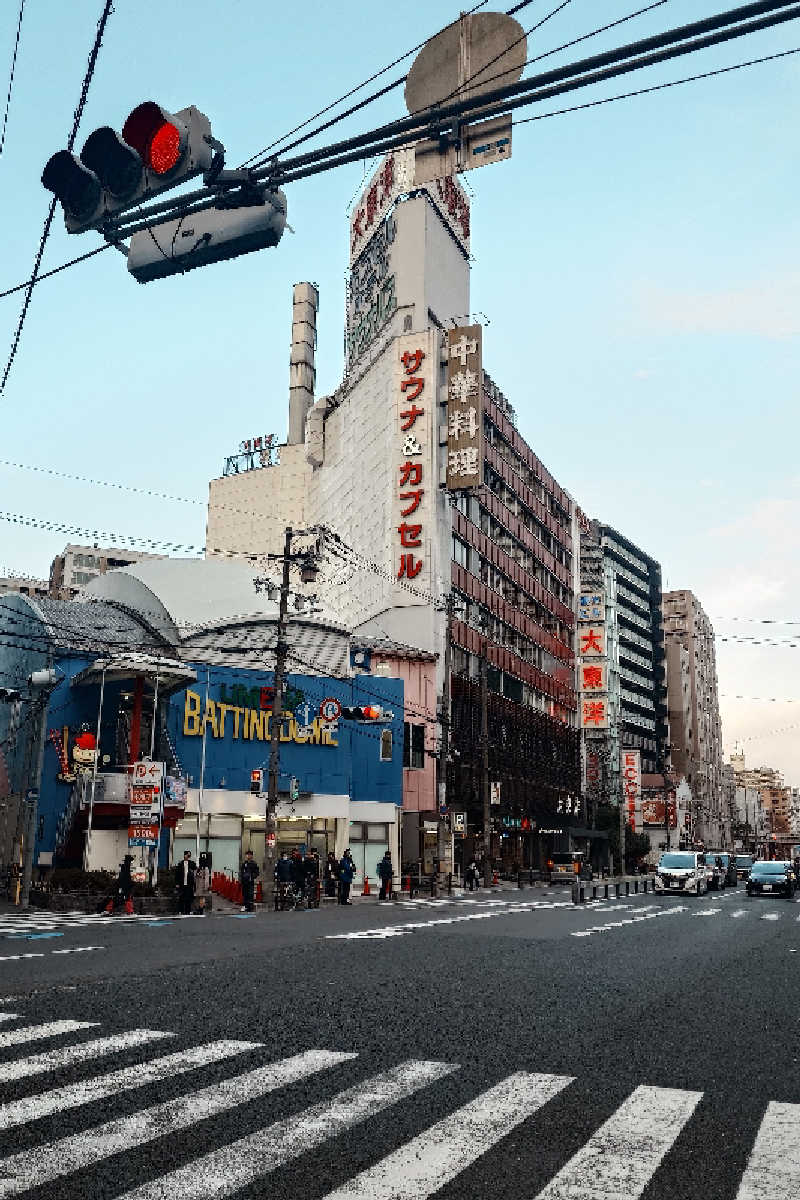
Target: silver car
681, 872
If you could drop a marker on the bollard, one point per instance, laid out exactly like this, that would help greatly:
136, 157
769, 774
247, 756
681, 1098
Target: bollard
605, 891
520, 884
627, 887
636, 886
530, 877
449, 883
616, 891
574, 893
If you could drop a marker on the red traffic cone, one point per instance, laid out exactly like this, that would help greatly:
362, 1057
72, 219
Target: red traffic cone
366, 891
495, 879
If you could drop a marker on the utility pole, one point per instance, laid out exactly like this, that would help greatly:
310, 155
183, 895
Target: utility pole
281, 648
485, 784
444, 740
42, 682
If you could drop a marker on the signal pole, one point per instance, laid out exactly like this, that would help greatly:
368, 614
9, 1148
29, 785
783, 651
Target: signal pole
485, 783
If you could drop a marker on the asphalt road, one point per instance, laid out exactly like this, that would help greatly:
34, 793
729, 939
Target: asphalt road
510, 1046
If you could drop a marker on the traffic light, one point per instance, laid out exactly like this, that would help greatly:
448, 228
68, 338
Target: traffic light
157, 150
212, 235
367, 712
256, 780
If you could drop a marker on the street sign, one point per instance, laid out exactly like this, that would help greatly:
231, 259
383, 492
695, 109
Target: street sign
330, 709
143, 812
148, 774
459, 822
143, 835
494, 793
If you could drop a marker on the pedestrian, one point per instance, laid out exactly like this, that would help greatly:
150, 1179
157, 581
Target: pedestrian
283, 879
347, 870
298, 875
331, 874
311, 879
385, 873
471, 875
248, 875
184, 882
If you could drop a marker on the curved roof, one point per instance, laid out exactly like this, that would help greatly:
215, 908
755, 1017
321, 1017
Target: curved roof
182, 595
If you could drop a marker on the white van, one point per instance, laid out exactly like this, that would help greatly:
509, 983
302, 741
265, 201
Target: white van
681, 871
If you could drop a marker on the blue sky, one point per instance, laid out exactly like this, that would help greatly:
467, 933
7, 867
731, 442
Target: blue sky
638, 263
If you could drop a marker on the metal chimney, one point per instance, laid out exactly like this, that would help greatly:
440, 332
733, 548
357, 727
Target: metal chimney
302, 373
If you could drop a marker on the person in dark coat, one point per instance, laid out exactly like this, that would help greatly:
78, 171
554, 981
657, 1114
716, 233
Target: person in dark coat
184, 882
248, 875
311, 881
347, 870
298, 873
385, 873
331, 874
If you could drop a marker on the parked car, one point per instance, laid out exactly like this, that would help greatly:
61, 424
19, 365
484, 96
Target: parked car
724, 873
681, 871
743, 864
773, 876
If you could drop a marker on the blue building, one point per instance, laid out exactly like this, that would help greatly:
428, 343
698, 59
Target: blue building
164, 659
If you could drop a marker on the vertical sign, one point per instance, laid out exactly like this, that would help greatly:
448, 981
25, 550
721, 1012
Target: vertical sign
631, 769
464, 407
592, 606
414, 485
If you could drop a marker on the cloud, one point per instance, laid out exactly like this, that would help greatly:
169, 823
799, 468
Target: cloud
768, 308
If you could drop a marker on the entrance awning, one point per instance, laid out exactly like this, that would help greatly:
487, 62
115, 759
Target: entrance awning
169, 672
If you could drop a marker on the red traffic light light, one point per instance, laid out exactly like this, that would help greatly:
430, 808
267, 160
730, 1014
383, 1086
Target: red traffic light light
157, 136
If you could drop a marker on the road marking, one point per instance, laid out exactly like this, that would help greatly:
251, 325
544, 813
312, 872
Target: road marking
773, 1168
77, 949
387, 931
53, 1060
620, 1159
646, 916
42, 1164
17, 957
770, 916
35, 1033
7, 1016
428, 1162
32, 936
226, 1170
127, 1079
708, 912
742, 912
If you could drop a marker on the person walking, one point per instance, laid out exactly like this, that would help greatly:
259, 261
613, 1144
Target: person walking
331, 874
248, 875
184, 882
347, 870
471, 875
385, 873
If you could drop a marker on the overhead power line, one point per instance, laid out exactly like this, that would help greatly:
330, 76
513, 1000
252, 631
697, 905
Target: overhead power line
87, 79
11, 76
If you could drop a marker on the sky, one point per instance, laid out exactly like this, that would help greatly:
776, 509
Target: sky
636, 265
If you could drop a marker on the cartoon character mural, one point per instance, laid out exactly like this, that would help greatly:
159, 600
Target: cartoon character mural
84, 752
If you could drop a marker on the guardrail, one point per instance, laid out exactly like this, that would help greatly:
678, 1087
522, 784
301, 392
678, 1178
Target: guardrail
608, 889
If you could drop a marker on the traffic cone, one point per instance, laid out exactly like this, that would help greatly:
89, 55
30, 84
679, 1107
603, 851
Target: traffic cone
366, 891
495, 879
406, 885
129, 906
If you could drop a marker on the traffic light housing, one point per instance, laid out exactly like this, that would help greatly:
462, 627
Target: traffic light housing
256, 780
367, 712
212, 235
157, 151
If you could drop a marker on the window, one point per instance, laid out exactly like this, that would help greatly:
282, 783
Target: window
413, 745
386, 745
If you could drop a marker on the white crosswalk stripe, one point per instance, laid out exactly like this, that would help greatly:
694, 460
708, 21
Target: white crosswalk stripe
43, 1164
224, 1171
54, 1060
425, 1164
621, 1158
773, 1169
33, 1108
37, 1033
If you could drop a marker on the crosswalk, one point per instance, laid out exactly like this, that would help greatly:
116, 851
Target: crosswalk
29, 923
619, 1158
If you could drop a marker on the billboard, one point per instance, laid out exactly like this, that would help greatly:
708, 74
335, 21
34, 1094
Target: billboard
631, 771
653, 812
464, 407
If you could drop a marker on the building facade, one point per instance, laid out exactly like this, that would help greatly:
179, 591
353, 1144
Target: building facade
486, 565
76, 566
23, 585
695, 729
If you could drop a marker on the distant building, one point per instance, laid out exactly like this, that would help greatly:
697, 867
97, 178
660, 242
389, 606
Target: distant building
779, 819
23, 585
76, 566
694, 729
